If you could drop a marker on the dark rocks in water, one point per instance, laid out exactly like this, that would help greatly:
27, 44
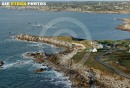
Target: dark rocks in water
30, 54
1, 63
39, 70
39, 60
43, 69
49, 68
91, 82
38, 56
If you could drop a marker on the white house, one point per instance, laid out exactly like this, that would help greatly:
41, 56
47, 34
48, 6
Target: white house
93, 50
97, 45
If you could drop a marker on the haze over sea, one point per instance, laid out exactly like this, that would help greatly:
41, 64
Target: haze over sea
12, 22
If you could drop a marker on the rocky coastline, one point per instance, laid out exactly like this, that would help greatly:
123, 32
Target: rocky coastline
53, 61
77, 76
80, 75
56, 61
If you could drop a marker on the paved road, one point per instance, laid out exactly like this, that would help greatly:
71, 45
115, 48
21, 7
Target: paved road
98, 58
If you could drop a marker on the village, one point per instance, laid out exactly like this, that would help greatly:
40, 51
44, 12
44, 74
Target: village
93, 6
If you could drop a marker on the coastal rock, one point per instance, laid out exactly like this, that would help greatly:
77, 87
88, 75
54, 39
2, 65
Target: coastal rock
125, 26
1, 63
39, 70
39, 60
47, 40
37, 56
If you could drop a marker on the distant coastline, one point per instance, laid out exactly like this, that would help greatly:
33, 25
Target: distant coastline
68, 9
125, 26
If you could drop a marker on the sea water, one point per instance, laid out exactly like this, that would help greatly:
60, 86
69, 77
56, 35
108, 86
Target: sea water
17, 71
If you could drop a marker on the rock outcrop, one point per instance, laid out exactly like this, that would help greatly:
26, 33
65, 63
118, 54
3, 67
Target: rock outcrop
1, 63
39, 70
47, 40
125, 26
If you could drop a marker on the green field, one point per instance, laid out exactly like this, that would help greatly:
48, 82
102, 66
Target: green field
125, 63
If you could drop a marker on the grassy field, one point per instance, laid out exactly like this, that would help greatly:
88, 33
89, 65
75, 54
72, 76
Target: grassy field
120, 55
125, 63
120, 60
91, 61
79, 56
86, 43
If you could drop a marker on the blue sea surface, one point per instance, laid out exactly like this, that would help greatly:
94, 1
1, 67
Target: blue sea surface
12, 22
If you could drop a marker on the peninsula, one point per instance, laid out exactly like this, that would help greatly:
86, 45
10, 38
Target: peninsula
77, 62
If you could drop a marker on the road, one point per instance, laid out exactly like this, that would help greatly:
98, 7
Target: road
98, 58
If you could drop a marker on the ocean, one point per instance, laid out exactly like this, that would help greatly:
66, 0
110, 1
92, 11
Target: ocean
18, 70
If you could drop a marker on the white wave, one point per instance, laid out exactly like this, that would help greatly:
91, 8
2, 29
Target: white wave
25, 56
8, 65
37, 25
62, 79
25, 62
16, 64
58, 78
41, 25
37, 45
58, 74
36, 65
